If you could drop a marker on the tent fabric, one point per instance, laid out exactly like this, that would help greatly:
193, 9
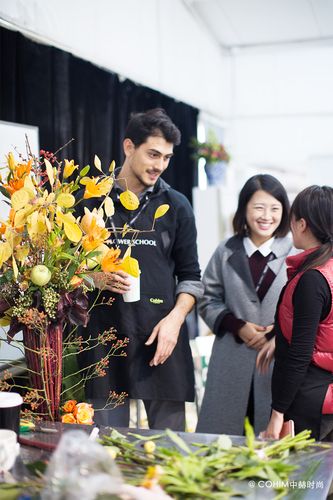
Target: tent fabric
68, 97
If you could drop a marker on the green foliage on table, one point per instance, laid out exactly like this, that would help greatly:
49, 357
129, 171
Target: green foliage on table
215, 471
210, 471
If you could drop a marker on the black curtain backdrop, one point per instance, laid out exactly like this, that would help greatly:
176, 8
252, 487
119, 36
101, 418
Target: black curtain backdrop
68, 97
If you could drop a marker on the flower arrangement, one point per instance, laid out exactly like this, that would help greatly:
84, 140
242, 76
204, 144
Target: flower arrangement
48, 258
77, 413
211, 150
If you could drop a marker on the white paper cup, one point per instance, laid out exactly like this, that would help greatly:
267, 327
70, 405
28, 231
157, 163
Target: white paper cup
10, 407
133, 294
9, 449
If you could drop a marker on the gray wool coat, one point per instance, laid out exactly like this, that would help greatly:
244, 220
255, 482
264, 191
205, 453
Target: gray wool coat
229, 288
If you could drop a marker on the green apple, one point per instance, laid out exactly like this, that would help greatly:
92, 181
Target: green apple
40, 275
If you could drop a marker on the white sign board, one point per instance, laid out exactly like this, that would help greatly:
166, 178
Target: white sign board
13, 138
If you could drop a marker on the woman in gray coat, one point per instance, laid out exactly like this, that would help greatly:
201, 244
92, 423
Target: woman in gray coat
242, 282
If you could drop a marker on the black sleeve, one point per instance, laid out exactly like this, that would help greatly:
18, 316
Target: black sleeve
228, 322
184, 250
312, 303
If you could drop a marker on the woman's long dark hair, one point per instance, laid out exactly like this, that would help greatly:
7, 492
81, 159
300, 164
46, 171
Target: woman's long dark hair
315, 205
269, 184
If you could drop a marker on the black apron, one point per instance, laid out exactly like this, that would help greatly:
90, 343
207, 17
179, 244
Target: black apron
174, 380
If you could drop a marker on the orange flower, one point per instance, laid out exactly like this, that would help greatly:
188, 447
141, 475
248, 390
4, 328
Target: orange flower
21, 170
84, 413
68, 418
14, 185
69, 406
95, 189
111, 261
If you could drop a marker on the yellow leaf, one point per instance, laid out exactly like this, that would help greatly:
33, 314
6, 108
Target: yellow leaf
131, 266
108, 206
112, 166
48, 224
161, 210
22, 253
97, 163
128, 252
29, 186
49, 171
129, 200
84, 181
32, 225
22, 215
124, 231
64, 218
15, 268
73, 232
20, 199
5, 252
65, 200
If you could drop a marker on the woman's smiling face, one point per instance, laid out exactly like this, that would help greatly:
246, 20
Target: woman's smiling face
263, 216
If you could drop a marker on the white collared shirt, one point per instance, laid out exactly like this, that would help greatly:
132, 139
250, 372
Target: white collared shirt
265, 249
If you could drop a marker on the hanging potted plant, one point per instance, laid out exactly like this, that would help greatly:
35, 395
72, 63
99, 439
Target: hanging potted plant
215, 155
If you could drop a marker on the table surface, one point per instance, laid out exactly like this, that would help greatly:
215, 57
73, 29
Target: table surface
315, 487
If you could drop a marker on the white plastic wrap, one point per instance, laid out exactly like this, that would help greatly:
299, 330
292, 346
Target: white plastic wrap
80, 469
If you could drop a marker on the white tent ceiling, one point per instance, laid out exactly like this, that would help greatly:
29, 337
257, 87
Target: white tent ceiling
244, 23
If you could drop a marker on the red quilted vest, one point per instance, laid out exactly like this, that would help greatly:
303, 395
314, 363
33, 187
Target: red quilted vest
323, 349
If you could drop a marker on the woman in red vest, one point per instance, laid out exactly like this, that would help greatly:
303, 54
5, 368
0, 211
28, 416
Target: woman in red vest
302, 381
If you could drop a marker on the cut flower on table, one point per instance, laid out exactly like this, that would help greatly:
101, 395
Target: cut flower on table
77, 413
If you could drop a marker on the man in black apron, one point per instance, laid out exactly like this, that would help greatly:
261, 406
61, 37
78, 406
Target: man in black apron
158, 367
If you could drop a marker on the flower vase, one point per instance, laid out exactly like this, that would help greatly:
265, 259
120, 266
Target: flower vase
43, 354
215, 172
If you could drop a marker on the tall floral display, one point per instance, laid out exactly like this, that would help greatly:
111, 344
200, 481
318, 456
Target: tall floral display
47, 257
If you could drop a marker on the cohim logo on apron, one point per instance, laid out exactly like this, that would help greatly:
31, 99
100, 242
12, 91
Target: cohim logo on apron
156, 301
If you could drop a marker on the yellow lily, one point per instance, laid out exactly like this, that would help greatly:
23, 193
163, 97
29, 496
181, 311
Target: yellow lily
96, 236
69, 168
91, 216
111, 262
95, 189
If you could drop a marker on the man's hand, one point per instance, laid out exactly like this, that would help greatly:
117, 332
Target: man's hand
167, 330
116, 282
253, 335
